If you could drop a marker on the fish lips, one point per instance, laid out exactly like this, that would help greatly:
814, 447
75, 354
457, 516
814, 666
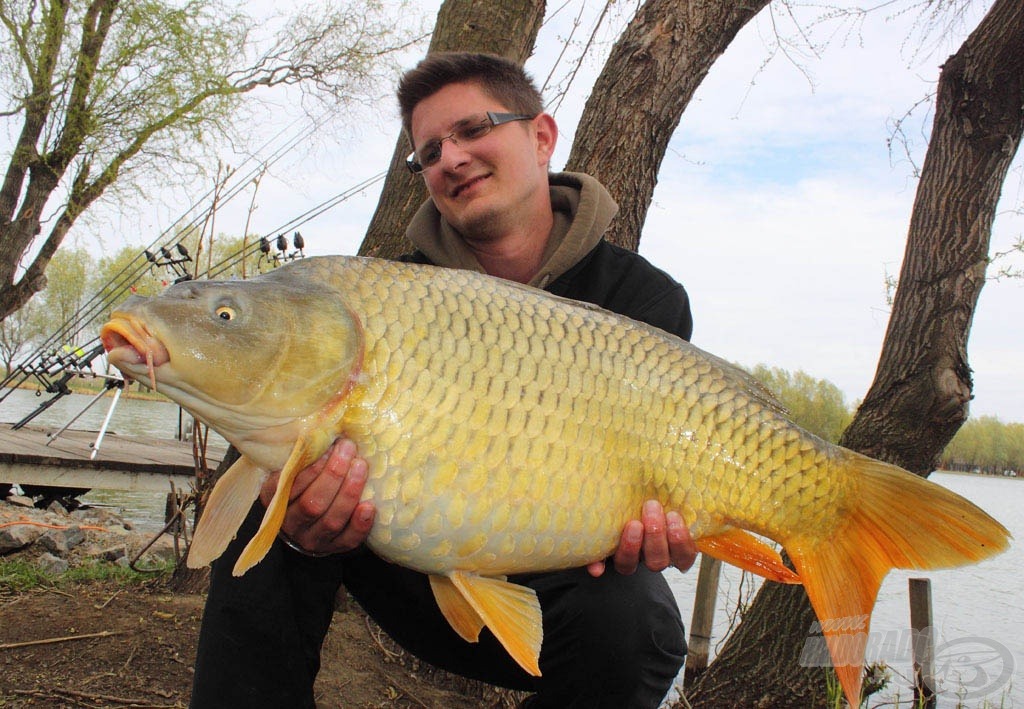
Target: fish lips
131, 347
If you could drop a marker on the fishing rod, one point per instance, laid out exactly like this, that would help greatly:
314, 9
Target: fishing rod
131, 272
51, 366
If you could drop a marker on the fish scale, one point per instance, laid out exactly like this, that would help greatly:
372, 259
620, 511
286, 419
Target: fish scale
507, 430
613, 360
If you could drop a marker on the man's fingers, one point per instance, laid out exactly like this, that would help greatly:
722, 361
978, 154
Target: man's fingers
318, 497
302, 479
682, 548
655, 544
627, 556
355, 531
345, 488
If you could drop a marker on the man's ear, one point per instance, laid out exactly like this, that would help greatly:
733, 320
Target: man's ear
547, 136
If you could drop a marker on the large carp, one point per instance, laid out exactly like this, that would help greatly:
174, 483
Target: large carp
508, 431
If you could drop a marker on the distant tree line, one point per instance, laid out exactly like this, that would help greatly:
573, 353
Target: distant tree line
983, 444
986, 445
816, 405
75, 275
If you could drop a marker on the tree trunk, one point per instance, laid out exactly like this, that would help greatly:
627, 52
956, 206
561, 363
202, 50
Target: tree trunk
923, 383
508, 28
759, 666
652, 73
922, 387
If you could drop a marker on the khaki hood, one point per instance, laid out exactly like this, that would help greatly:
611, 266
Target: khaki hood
582, 207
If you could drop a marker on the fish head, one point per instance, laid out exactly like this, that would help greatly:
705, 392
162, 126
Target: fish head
243, 356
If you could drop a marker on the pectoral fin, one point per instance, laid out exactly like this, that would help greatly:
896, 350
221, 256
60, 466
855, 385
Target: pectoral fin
749, 553
510, 611
307, 449
226, 508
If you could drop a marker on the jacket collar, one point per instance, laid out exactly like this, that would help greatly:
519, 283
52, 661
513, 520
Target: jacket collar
582, 208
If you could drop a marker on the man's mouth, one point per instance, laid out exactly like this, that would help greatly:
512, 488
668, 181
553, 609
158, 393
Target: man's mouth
463, 186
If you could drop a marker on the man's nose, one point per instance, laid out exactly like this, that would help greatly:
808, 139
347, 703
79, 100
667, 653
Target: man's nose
453, 155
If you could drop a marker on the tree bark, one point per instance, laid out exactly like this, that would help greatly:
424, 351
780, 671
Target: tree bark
636, 104
508, 28
923, 382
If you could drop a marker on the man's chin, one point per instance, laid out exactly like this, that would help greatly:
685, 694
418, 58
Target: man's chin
477, 222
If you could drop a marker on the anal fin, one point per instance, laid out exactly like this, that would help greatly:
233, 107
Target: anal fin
228, 504
749, 553
510, 611
456, 609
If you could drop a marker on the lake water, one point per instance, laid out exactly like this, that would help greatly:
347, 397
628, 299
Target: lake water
978, 611
131, 417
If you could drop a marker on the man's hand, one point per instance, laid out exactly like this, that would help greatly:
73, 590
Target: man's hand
663, 540
324, 513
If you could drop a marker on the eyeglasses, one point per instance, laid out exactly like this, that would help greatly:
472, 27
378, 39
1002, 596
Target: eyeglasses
430, 153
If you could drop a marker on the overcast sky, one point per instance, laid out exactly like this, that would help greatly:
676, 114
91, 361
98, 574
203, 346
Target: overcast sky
779, 205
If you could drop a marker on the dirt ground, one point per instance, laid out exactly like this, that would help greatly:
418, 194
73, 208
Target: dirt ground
99, 645
111, 644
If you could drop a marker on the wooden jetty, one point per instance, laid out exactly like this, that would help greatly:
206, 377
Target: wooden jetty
30, 456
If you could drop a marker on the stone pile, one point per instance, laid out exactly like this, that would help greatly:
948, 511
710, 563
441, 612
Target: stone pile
56, 540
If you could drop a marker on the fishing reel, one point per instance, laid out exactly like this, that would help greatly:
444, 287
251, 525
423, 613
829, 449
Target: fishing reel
173, 263
276, 252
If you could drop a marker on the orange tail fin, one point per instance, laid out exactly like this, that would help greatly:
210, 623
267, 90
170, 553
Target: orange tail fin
901, 521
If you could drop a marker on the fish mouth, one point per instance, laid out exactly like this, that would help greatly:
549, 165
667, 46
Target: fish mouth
129, 344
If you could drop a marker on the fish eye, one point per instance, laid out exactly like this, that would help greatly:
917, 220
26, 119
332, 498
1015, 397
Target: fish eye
225, 313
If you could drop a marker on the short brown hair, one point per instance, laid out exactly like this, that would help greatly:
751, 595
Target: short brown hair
501, 78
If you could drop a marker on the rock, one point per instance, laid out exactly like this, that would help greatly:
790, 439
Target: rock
159, 554
61, 541
98, 516
114, 553
19, 501
18, 536
52, 564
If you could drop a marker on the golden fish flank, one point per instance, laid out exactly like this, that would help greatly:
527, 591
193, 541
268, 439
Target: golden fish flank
510, 431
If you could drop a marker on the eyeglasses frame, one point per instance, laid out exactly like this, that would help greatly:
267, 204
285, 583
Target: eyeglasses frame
496, 119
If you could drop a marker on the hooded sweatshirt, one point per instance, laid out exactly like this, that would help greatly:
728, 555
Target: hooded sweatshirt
577, 263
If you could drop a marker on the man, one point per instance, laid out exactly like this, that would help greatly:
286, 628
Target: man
611, 638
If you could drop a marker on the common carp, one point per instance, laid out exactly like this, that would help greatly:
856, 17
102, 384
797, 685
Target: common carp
509, 431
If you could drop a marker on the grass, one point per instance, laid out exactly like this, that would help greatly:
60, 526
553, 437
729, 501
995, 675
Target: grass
882, 677
17, 575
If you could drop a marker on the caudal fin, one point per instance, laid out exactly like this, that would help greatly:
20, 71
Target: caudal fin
900, 521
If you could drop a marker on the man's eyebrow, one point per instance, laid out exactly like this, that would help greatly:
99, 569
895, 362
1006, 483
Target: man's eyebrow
468, 120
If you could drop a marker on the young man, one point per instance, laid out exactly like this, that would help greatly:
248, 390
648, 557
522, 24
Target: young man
611, 638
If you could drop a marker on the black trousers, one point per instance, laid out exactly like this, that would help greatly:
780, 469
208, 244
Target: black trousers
615, 642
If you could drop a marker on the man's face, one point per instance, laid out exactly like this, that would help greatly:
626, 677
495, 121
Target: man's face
482, 187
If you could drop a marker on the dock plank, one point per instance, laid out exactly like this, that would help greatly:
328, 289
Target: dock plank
29, 456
